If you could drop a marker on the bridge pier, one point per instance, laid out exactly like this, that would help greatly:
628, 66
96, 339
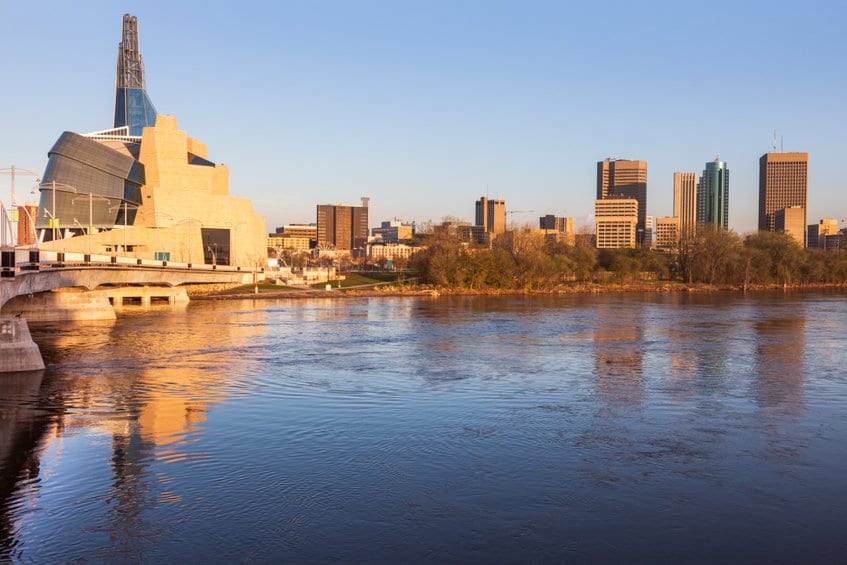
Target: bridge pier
18, 353
61, 305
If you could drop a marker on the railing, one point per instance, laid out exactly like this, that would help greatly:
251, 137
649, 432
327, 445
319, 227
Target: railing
28, 260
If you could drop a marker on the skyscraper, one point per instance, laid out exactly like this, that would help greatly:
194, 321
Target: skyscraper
783, 179
133, 107
713, 195
491, 215
628, 179
685, 203
343, 227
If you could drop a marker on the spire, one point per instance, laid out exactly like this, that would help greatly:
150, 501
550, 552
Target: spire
133, 107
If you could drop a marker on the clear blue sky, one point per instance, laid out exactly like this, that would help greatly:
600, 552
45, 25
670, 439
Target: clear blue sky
423, 106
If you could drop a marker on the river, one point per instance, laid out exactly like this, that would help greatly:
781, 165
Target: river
586, 428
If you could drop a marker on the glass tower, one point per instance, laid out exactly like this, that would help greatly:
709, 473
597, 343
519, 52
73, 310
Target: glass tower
133, 107
713, 195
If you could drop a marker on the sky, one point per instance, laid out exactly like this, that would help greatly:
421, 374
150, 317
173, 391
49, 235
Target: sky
424, 106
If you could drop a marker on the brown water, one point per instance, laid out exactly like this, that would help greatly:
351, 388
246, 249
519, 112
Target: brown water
705, 428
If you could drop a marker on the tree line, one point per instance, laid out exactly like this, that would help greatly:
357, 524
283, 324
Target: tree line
527, 260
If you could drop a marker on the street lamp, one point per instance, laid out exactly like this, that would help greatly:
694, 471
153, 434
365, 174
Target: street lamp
125, 204
90, 215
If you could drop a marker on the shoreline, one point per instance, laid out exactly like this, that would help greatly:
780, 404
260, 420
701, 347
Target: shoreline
433, 292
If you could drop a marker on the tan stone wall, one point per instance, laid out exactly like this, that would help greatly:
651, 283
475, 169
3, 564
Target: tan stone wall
178, 200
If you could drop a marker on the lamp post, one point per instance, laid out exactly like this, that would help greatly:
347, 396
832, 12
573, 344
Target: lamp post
90, 215
125, 205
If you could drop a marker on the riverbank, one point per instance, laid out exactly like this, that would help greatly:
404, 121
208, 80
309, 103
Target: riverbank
240, 292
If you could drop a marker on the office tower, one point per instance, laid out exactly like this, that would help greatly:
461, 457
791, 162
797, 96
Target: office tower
133, 107
685, 202
816, 233
491, 215
791, 221
343, 227
783, 179
617, 222
713, 195
627, 179
667, 233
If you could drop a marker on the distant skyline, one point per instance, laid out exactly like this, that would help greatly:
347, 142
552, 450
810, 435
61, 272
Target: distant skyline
426, 106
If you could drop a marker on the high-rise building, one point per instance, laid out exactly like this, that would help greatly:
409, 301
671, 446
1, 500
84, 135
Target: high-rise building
617, 221
791, 221
816, 233
628, 179
783, 183
133, 107
685, 202
490, 217
713, 195
343, 227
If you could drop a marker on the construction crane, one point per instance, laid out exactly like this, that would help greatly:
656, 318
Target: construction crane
519, 211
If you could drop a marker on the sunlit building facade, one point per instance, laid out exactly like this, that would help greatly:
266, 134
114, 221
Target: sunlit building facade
783, 183
616, 222
143, 188
625, 178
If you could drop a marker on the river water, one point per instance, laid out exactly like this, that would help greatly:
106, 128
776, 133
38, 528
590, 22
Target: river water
696, 428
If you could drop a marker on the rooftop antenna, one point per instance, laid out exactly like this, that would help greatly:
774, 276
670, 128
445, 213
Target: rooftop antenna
781, 147
773, 146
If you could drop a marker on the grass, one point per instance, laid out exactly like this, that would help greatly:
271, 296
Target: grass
357, 279
263, 287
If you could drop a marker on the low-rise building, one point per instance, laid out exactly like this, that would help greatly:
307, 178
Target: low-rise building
394, 231
391, 251
816, 233
792, 221
667, 233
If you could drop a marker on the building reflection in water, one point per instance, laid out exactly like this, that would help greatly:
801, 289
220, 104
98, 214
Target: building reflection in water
150, 413
22, 425
618, 339
779, 368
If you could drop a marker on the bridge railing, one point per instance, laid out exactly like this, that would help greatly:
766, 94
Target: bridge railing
15, 261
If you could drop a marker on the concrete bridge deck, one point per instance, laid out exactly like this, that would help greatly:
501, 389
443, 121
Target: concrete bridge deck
26, 271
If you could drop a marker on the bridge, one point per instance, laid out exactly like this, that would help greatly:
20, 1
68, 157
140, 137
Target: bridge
28, 272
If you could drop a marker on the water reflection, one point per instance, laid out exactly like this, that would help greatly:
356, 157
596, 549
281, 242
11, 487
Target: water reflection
618, 338
22, 424
463, 428
780, 359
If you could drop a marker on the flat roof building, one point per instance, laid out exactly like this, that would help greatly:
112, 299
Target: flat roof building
685, 202
342, 227
667, 233
791, 221
816, 233
616, 219
628, 179
783, 183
